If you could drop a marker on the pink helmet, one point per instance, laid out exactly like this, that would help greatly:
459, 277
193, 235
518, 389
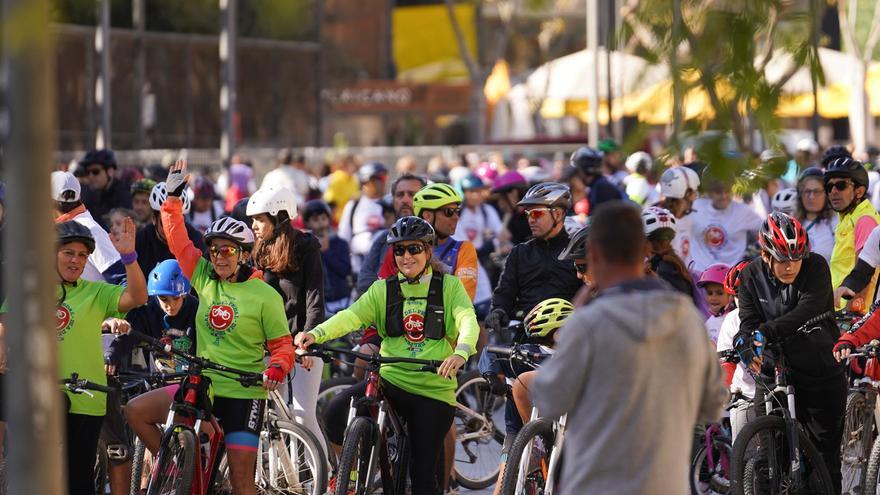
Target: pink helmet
487, 172
713, 274
508, 181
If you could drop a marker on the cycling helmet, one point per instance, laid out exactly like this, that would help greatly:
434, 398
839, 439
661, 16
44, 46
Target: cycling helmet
411, 229
203, 188
783, 237
834, 152
547, 316
239, 211
167, 279
713, 274
231, 229
807, 145
785, 200
771, 154
104, 157
811, 172
315, 207
487, 171
847, 168
693, 178
272, 200
588, 160
371, 170
472, 181
637, 159
577, 245
733, 277
160, 193
658, 221
536, 174
674, 183
547, 194
509, 180
142, 186
434, 196
608, 146
72, 231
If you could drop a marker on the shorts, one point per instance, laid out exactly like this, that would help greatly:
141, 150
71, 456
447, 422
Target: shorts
242, 420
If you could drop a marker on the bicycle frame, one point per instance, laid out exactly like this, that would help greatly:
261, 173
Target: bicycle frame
787, 410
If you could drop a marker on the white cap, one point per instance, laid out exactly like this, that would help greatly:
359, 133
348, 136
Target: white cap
808, 145
63, 182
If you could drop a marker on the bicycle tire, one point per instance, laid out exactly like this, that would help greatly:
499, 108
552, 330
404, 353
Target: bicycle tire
491, 438
765, 429
855, 443
360, 438
176, 444
137, 466
101, 468
712, 482
308, 453
872, 471
538, 429
331, 387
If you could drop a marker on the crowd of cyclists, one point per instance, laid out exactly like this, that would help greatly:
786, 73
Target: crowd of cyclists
627, 273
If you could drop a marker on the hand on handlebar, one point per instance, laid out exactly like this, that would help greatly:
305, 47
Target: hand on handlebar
303, 340
842, 350
450, 366
843, 293
116, 326
272, 377
496, 320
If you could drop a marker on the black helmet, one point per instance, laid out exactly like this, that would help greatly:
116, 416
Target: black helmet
587, 160
239, 211
370, 170
103, 157
315, 207
547, 194
411, 229
847, 168
72, 231
834, 152
577, 245
811, 172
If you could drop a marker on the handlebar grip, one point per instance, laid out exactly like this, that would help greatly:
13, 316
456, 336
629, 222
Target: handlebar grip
500, 350
98, 387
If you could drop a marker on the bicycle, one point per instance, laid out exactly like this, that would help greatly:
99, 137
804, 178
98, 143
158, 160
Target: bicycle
477, 437
77, 385
379, 440
860, 455
772, 453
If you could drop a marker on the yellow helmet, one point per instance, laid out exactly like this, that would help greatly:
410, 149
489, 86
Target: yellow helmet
546, 316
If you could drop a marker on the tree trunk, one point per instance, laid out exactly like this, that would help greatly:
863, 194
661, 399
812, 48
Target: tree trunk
859, 114
477, 117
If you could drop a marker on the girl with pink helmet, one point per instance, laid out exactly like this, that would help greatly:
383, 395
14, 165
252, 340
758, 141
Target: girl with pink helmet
712, 283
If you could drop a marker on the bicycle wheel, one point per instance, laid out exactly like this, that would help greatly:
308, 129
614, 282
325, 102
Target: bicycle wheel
855, 444
175, 463
137, 466
529, 459
871, 472
706, 479
290, 460
478, 441
101, 476
354, 474
329, 389
762, 449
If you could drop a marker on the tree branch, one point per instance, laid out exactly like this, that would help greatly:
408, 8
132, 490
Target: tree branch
469, 62
847, 26
873, 35
768, 42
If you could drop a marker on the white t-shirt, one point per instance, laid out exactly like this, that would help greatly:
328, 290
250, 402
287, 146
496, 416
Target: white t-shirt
201, 221
742, 380
871, 252
821, 235
359, 231
294, 179
720, 236
103, 256
682, 242
713, 326
479, 225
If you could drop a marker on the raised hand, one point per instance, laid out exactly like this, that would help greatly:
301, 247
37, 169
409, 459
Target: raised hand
123, 239
177, 178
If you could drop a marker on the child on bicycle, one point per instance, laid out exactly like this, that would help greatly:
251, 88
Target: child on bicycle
712, 283
399, 308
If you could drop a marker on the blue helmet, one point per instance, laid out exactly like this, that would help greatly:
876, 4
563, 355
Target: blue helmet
167, 279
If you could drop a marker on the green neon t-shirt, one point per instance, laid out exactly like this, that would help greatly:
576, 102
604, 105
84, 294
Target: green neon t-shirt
78, 322
233, 322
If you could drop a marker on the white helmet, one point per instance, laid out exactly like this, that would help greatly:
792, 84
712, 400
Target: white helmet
693, 178
785, 200
271, 200
808, 145
160, 193
655, 218
674, 183
232, 229
638, 158
535, 174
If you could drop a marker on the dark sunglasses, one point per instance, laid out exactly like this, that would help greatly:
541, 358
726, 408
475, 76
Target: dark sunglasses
224, 251
412, 249
94, 171
451, 212
581, 268
536, 213
840, 186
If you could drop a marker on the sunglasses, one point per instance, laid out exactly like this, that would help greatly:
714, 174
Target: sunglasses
451, 212
811, 192
581, 268
224, 251
840, 186
94, 171
536, 213
412, 249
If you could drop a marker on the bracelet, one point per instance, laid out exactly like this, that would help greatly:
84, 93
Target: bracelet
128, 258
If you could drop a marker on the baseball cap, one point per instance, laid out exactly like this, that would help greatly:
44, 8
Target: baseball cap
65, 187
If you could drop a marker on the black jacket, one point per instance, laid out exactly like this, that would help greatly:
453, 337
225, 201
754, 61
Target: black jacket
151, 250
302, 290
151, 320
779, 310
668, 272
99, 203
533, 273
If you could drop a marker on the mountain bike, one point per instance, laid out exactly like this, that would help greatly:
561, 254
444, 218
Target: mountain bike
772, 454
478, 439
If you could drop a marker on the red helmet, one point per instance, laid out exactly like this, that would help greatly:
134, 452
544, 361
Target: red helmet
732, 279
783, 237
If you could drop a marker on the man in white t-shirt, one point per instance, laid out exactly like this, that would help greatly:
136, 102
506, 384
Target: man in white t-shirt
362, 217
478, 222
721, 228
290, 174
104, 264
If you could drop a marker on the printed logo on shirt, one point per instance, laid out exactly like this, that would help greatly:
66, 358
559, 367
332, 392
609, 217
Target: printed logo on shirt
375, 222
63, 320
715, 236
471, 234
221, 319
685, 248
414, 327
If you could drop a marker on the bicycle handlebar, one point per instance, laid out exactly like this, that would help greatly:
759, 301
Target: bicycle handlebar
78, 386
515, 352
246, 378
320, 351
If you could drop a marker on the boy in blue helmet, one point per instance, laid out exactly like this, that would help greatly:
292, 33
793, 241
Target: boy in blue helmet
169, 315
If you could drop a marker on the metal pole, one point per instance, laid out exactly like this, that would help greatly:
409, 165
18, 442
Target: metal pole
593, 48
228, 14
676, 77
138, 21
33, 406
606, 20
620, 70
102, 82
319, 71
816, 15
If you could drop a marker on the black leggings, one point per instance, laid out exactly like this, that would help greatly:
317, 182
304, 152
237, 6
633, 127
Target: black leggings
82, 444
820, 408
427, 422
